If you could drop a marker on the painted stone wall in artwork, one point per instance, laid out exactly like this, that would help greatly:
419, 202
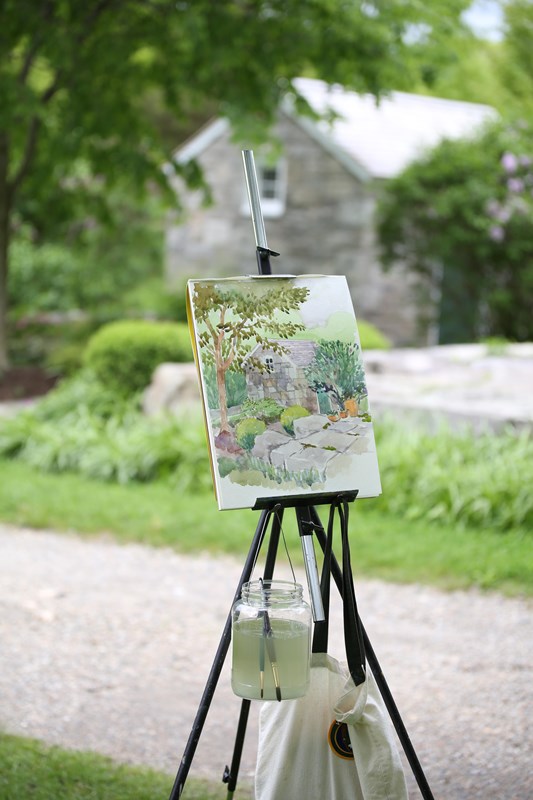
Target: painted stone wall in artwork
283, 382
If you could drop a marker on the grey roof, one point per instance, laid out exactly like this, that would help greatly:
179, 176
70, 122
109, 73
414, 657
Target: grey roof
383, 138
371, 140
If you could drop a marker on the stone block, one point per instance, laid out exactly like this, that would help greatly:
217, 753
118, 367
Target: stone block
279, 456
308, 458
174, 388
304, 426
348, 425
268, 441
330, 439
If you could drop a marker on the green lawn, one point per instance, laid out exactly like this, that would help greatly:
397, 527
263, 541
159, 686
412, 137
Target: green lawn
384, 546
31, 770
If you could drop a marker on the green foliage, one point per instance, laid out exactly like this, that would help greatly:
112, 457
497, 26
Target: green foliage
455, 478
473, 74
123, 355
153, 299
235, 387
267, 410
31, 770
50, 341
231, 321
83, 426
337, 370
94, 266
66, 359
462, 217
82, 393
226, 465
371, 337
118, 449
290, 414
67, 151
388, 546
247, 430
242, 317
516, 68
304, 477
497, 73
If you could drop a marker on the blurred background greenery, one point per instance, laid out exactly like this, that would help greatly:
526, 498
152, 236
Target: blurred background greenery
95, 97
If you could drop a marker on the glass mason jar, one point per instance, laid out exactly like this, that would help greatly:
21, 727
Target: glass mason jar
271, 633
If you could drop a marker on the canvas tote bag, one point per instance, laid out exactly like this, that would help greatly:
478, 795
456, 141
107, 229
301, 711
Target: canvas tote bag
337, 742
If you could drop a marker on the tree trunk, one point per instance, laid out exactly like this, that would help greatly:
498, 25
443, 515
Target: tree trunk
222, 398
4, 248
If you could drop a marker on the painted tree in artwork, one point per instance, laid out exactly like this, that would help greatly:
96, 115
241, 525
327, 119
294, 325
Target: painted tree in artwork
337, 370
232, 322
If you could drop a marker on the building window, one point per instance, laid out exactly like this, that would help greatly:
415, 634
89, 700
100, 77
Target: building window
269, 362
272, 181
269, 183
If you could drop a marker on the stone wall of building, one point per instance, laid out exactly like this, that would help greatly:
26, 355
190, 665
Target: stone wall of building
327, 228
286, 384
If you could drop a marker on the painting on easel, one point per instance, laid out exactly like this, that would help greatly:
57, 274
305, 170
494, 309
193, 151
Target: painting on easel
283, 387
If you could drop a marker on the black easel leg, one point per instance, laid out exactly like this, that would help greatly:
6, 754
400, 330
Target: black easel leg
397, 721
373, 663
218, 663
231, 775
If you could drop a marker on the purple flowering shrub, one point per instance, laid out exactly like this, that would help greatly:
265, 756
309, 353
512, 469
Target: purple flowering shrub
517, 180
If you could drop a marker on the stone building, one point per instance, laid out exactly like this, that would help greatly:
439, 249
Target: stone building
318, 198
282, 378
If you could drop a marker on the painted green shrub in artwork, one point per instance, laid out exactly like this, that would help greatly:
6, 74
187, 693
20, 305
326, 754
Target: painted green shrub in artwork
337, 370
290, 414
267, 409
247, 430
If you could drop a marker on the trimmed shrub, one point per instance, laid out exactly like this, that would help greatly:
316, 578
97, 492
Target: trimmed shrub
247, 430
290, 414
123, 355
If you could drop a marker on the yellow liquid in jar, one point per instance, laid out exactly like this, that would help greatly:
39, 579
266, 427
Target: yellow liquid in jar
290, 640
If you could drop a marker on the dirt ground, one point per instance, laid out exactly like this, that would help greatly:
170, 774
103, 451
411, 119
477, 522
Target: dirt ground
108, 648
19, 383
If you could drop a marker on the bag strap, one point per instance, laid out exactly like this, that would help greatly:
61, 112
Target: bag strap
353, 633
320, 636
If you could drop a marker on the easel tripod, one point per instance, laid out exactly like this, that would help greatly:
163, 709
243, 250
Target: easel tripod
308, 522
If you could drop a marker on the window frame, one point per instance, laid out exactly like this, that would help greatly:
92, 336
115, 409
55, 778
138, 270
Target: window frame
273, 206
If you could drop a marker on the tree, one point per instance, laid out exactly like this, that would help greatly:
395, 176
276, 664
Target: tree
516, 67
231, 323
462, 219
337, 370
474, 75
73, 75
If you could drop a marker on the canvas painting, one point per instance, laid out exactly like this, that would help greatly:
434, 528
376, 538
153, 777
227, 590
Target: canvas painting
283, 386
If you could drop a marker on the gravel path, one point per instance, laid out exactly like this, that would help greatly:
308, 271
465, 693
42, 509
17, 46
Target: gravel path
107, 648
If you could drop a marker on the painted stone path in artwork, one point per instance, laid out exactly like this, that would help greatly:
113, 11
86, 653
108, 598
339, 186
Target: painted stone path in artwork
315, 444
